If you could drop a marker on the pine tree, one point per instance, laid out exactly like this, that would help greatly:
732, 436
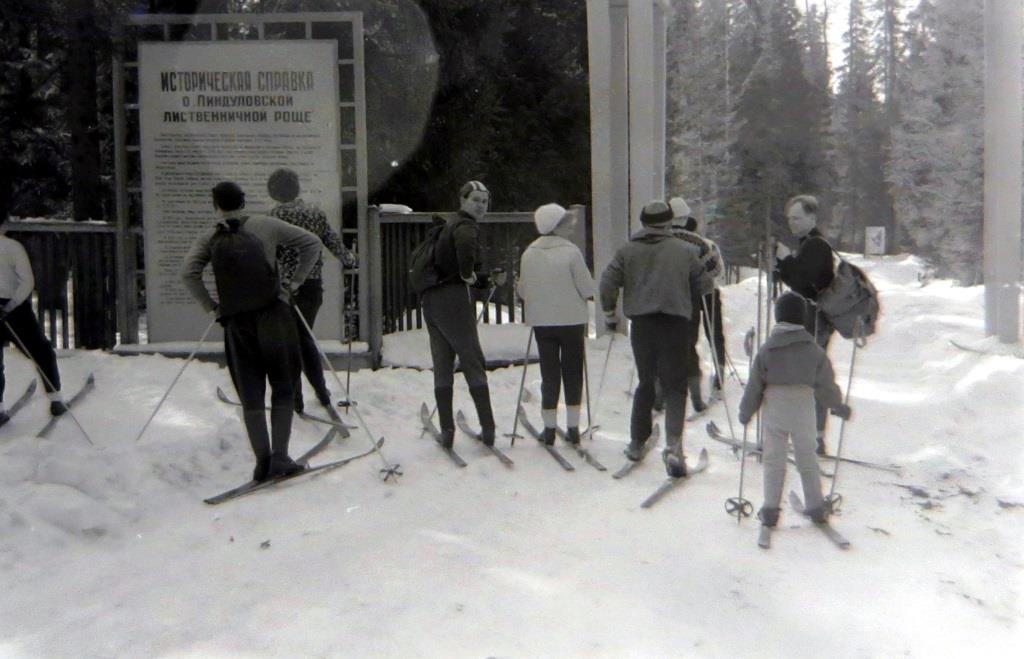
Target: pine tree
936, 162
863, 197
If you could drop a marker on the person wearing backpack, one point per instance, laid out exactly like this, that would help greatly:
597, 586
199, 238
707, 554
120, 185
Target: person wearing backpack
283, 187
555, 284
790, 375
18, 323
261, 341
450, 315
662, 278
807, 271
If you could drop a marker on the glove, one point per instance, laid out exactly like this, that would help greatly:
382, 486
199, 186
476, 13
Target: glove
842, 411
483, 280
711, 264
611, 323
3, 314
781, 251
744, 420
498, 276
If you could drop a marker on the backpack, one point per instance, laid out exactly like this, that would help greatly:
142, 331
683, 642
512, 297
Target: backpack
246, 281
851, 300
423, 271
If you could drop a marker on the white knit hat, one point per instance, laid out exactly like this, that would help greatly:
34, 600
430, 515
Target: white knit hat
547, 218
679, 207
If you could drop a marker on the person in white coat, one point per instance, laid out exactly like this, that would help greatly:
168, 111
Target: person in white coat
555, 284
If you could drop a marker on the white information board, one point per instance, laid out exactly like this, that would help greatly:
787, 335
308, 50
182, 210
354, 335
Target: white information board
231, 111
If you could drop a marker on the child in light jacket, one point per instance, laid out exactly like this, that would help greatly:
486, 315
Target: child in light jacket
789, 374
555, 284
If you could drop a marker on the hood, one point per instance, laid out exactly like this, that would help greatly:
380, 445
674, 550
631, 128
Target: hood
652, 235
551, 242
786, 334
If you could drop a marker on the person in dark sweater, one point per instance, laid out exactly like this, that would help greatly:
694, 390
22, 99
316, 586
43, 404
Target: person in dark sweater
261, 343
18, 323
807, 271
283, 187
450, 315
661, 278
790, 376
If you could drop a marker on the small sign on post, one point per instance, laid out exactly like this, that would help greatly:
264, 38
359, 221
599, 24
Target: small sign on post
874, 240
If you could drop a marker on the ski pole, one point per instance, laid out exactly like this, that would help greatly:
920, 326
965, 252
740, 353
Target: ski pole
738, 505
714, 356
46, 380
519, 396
604, 369
835, 501
191, 356
586, 382
389, 469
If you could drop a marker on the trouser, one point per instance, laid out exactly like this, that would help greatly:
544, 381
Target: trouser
451, 325
561, 361
786, 415
712, 302
821, 329
262, 346
659, 351
23, 323
688, 344
308, 299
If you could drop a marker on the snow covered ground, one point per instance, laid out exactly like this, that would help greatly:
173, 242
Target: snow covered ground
108, 550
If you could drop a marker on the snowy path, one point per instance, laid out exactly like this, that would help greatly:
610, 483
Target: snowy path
109, 551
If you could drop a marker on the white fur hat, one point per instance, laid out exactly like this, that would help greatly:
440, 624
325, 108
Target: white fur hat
547, 218
679, 207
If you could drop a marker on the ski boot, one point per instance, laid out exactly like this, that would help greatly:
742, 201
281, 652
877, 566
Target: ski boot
768, 516
572, 435
548, 436
821, 450
282, 465
447, 438
57, 408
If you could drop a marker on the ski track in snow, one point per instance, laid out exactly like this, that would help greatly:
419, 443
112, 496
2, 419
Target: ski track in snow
110, 551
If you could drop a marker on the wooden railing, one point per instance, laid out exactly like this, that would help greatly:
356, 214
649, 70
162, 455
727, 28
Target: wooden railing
395, 307
76, 281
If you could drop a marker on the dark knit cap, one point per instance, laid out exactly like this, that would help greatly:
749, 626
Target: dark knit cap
790, 308
655, 212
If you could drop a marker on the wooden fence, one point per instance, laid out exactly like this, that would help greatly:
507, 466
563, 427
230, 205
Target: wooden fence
76, 280
395, 307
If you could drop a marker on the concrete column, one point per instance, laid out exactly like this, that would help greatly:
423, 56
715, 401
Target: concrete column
646, 105
1003, 152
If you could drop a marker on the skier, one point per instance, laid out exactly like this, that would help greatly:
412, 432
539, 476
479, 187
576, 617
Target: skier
806, 271
555, 285
661, 277
16, 315
449, 313
712, 302
260, 338
283, 187
791, 375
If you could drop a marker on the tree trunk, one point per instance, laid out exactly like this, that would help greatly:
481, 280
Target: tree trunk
83, 119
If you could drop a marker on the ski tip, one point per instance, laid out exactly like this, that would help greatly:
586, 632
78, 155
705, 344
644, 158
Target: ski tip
91, 379
424, 409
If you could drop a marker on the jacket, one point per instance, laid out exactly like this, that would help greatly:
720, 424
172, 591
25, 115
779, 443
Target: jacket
658, 273
457, 253
555, 283
810, 268
790, 356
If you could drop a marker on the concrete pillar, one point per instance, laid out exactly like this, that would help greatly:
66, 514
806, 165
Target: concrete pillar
1003, 152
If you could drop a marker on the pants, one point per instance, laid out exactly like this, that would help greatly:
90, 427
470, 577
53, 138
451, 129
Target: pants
24, 324
786, 414
451, 324
659, 351
821, 329
713, 330
561, 360
262, 346
308, 300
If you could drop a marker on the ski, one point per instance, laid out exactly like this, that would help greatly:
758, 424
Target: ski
764, 537
460, 421
671, 483
716, 434
90, 384
892, 468
22, 400
256, 486
630, 465
835, 536
532, 429
335, 419
428, 426
580, 451
319, 446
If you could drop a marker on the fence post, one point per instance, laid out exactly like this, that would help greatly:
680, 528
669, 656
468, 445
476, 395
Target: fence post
374, 262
